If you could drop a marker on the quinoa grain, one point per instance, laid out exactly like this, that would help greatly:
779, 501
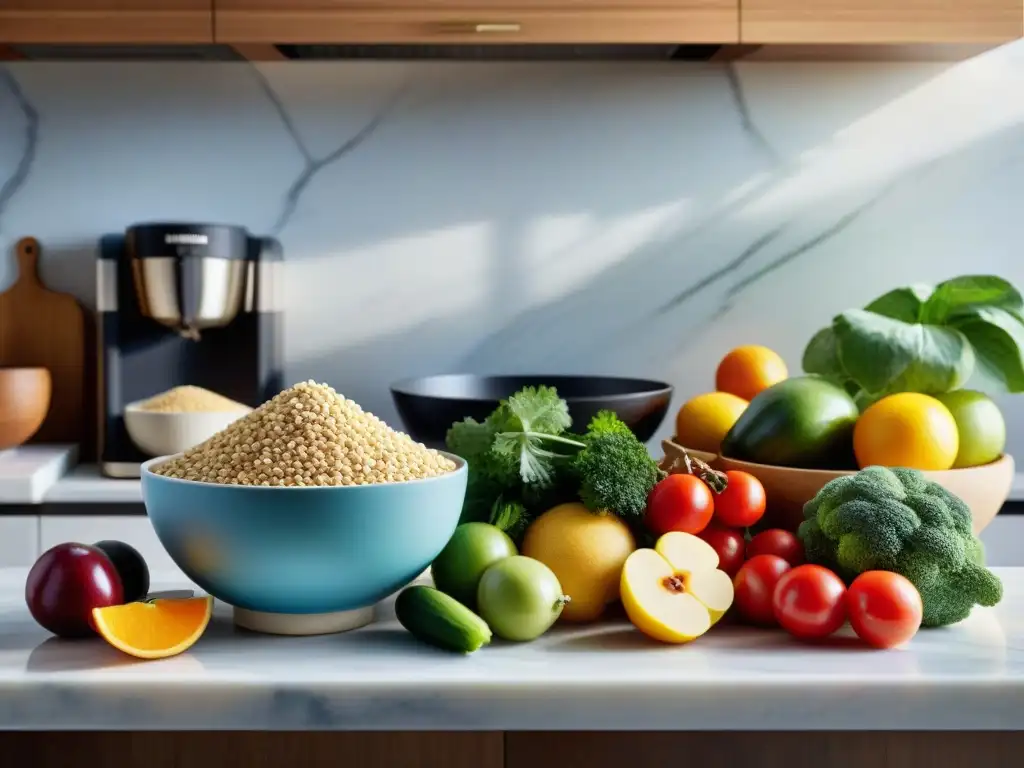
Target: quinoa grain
189, 399
308, 435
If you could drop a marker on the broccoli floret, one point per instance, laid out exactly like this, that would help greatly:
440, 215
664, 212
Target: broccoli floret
606, 422
616, 474
898, 520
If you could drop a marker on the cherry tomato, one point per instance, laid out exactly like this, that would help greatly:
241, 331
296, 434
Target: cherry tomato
776, 541
885, 608
810, 602
680, 502
729, 545
754, 586
742, 502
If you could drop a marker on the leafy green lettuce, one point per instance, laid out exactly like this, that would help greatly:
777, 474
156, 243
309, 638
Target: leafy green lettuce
925, 339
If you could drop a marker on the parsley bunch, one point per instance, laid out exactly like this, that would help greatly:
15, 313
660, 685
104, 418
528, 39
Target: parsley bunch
523, 461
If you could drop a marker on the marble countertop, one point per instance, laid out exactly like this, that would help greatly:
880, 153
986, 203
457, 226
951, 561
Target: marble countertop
86, 485
600, 677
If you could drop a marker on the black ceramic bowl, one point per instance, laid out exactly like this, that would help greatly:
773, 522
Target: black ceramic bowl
428, 406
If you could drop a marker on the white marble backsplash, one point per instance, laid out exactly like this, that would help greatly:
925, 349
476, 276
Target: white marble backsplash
625, 218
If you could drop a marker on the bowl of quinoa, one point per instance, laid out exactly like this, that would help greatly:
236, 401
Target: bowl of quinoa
307, 505
175, 420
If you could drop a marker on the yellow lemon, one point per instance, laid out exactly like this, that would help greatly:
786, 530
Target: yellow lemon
703, 422
906, 430
586, 551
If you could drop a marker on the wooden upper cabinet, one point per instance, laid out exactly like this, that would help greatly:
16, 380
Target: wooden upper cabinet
881, 21
106, 21
477, 21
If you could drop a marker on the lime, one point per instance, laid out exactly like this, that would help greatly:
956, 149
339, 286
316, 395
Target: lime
981, 426
520, 598
472, 549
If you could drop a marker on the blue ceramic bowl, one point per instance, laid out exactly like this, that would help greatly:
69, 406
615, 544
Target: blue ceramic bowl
303, 550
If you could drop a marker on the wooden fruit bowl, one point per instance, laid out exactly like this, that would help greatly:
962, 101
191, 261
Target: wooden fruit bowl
984, 489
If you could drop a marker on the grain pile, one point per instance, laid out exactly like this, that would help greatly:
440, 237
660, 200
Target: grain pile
308, 435
189, 399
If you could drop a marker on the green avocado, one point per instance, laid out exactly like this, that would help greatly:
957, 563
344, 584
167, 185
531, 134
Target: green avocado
805, 422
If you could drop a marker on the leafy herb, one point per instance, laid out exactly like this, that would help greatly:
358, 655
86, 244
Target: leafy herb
510, 516
522, 461
925, 339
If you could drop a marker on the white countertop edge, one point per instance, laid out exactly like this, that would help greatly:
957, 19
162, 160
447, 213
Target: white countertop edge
940, 683
85, 485
629, 707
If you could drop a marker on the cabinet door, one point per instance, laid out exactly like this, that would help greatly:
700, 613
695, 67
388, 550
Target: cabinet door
106, 21
477, 21
881, 21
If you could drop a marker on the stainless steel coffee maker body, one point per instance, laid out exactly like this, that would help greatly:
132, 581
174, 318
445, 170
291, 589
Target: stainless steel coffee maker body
180, 304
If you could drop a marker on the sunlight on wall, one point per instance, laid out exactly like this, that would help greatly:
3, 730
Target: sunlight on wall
382, 290
562, 252
966, 103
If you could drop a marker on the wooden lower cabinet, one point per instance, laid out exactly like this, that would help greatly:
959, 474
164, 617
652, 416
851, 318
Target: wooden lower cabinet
725, 749
940, 749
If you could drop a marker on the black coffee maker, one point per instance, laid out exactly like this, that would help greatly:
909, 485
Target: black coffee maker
181, 304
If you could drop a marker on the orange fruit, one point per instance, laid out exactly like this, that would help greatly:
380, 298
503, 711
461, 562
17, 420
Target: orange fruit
906, 430
154, 630
748, 370
703, 422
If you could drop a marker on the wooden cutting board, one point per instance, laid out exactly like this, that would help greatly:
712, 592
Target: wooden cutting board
43, 328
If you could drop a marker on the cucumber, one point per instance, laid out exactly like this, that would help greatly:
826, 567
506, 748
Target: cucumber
437, 619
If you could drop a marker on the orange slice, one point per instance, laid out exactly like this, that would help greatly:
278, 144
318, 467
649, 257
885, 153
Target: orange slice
154, 630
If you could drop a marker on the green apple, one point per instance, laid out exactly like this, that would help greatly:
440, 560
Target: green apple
472, 549
981, 426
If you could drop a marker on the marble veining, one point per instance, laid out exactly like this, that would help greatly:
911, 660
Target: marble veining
629, 218
602, 677
23, 166
312, 165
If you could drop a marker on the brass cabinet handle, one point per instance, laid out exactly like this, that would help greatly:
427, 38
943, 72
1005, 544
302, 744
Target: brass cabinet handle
481, 28
510, 27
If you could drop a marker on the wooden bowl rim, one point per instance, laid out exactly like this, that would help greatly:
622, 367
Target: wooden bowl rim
1004, 458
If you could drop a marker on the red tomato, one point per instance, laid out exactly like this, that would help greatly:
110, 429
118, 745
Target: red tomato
729, 545
742, 502
754, 586
885, 608
679, 503
810, 602
776, 541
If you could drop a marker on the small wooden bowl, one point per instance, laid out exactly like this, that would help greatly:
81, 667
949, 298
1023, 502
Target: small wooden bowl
984, 489
24, 403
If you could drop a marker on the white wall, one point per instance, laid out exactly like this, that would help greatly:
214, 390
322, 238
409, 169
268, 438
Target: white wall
625, 218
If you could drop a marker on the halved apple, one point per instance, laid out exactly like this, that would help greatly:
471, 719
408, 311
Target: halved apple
675, 592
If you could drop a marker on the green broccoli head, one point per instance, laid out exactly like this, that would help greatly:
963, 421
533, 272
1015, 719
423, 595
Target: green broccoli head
616, 474
898, 520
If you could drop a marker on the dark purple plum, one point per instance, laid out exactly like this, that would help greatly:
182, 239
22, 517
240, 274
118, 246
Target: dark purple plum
130, 565
66, 583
